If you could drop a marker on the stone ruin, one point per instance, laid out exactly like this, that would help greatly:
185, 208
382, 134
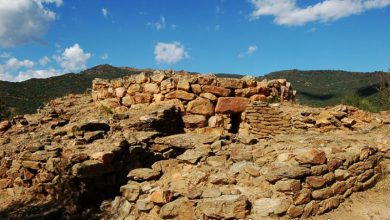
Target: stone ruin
207, 103
163, 147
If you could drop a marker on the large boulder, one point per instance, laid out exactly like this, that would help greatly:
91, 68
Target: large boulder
201, 106
231, 105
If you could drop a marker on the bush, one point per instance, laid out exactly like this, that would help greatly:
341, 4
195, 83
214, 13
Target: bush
362, 103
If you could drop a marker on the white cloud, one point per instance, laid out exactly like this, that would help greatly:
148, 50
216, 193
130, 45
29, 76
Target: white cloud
14, 64
251, 50
5, 55
44, 61
170, 53
104, 56
24, 21
158, 25
73, 58
104, 12
287, 12
22, 76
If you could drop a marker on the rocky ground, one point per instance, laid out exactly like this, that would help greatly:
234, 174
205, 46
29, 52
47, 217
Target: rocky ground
76, 160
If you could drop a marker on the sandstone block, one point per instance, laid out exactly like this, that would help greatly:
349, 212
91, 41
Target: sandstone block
316, 181
144, 205
226, 206
201, 106
128, 101
180, 94
181, 208
196, 88
194, 121
209, 96
140, 98
294, 211
161, 196
339, 187
216, 90
288, 185
133, 89
246, 92
279, 170
143, 174
329, 204
131, 191
231, 105
141, 78
231, 83
151, 88
303, 197
104, 157
183, 84
267, 206
120, 92
157, 78
310, 156
258, 98
310, 209
322, 194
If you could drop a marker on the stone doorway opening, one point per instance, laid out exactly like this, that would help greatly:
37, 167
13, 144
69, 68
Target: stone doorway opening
235, 120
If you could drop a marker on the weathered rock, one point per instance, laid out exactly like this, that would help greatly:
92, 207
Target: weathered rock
120, 92
310, 156
183, 84
151, 88
4, 126
329, 204
218, 91
230, 83
209, 96
211, 193
279, 170
303, 197
161, 196
180, 94
226, 206
131, 191
288, 185
322, 193
134, 89
341, 174
192, 156
195, 121
231, 105
294, 211
316, 181
201, 106
181, 208
104, 157
143, 174
267, 206
144, 205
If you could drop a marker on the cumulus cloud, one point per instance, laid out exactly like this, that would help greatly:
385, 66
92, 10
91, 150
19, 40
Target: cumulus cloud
22, 76
251, 49
104, 12
24, 21
170, 53
44, 61
287, 12
73, 58
14, 63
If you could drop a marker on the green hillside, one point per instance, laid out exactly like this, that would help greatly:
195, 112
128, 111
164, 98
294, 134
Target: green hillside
329, 87
315, 88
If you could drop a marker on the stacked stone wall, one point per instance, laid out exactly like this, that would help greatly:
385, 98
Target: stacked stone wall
310, 181
263, 119
206, 101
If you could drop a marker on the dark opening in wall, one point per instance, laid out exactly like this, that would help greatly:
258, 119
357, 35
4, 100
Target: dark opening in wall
235, 120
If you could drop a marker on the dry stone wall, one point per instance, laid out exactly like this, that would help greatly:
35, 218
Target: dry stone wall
207, 103
310, 181
263, 119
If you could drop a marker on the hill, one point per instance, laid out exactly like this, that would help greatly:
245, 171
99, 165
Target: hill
329, 87
315, 88
27, 96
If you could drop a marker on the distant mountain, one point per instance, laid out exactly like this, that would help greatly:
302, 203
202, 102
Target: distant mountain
27, 96
317, 88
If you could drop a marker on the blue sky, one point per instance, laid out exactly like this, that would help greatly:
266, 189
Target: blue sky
43, 38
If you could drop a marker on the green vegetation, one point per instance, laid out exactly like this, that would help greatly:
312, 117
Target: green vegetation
328, 87
368, 91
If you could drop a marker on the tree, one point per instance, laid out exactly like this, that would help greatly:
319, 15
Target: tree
384, 91
5, 112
